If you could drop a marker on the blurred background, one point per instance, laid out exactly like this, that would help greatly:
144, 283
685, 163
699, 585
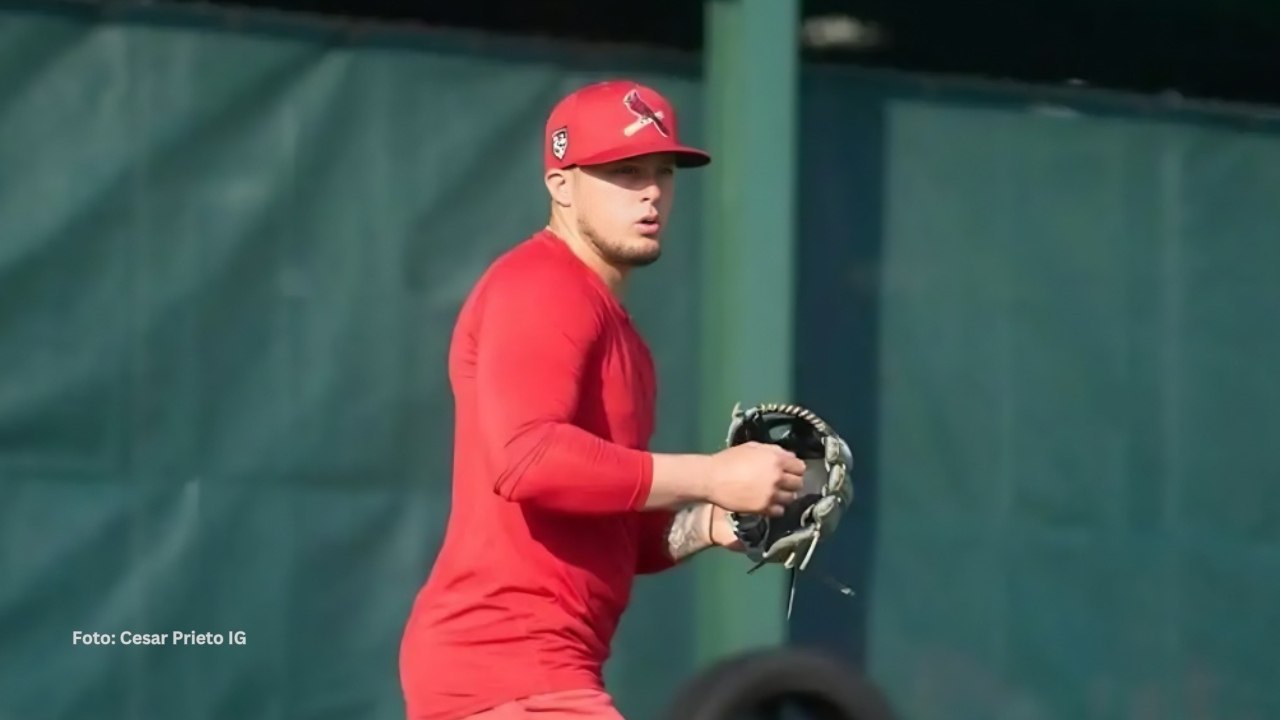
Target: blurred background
1019, 253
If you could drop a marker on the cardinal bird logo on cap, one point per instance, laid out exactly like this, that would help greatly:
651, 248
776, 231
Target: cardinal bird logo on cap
645, 115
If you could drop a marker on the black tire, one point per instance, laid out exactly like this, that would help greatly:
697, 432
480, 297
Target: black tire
753, 684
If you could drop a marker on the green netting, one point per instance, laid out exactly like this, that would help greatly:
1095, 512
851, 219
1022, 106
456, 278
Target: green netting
1063, 395
231, 260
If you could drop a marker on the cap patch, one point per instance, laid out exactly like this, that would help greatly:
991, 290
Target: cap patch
560, 142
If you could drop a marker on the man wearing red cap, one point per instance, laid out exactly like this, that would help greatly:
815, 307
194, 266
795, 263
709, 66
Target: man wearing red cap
557, 502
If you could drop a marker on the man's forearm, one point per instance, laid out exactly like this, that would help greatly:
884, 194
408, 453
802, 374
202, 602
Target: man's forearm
690, 531
678, 480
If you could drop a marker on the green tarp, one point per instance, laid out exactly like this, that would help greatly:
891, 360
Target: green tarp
1064, 316
230, 260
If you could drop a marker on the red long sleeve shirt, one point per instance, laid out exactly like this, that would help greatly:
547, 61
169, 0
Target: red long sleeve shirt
554, 408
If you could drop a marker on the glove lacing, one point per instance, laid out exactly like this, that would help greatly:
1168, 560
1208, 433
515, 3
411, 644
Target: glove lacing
831, 455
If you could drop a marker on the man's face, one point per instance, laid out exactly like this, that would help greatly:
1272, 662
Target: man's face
622, 207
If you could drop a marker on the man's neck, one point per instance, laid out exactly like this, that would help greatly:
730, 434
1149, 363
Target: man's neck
614, 278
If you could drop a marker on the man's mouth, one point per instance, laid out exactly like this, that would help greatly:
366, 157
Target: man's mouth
649, 225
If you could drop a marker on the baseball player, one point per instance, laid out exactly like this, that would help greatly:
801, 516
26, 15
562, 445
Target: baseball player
557, 501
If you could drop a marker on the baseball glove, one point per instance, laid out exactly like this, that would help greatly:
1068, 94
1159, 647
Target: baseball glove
792, 538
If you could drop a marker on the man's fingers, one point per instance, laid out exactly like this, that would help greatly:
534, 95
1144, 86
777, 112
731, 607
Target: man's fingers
791, 463
791, 481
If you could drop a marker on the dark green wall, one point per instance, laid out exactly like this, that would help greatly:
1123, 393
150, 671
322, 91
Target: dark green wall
1047, 321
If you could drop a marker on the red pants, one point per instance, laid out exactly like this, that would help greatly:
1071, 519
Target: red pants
567, 705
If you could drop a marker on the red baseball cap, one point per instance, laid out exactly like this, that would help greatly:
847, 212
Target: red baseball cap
613, 120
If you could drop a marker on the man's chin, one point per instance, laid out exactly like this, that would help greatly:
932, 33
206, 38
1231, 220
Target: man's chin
648, 257
645, 260
642, 253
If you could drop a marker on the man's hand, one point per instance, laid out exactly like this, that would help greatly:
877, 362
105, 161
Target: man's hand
755, 478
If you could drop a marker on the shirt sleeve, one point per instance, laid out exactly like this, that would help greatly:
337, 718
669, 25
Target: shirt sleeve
653, 555
538, 331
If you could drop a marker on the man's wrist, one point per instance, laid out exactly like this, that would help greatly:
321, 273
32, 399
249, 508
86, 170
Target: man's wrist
720, 529
704, 480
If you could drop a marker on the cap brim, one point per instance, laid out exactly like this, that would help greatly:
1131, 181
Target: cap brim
686, 157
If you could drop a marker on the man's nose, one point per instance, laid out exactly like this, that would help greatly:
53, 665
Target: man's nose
652, 189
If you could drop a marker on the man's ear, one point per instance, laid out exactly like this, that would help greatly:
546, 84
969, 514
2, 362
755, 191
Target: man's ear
560, 185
